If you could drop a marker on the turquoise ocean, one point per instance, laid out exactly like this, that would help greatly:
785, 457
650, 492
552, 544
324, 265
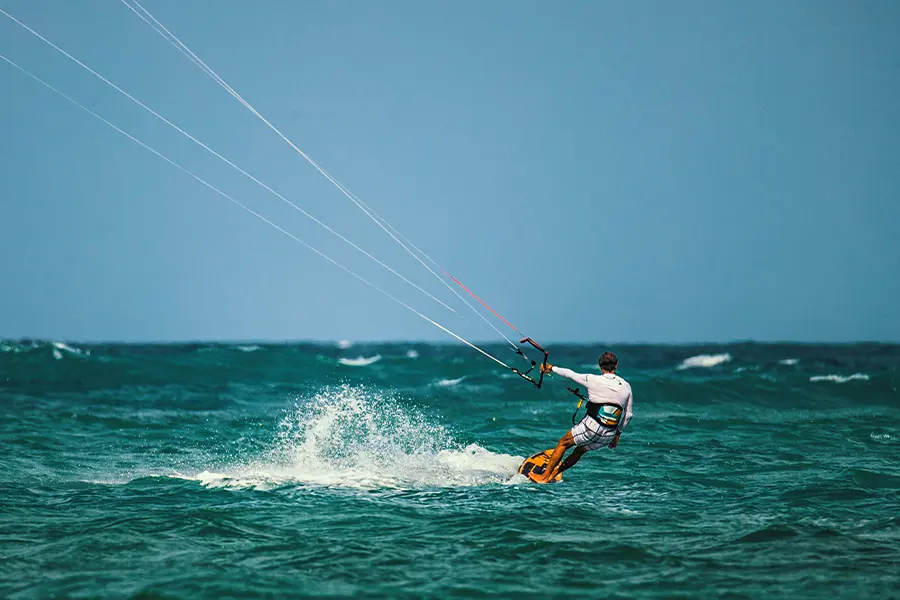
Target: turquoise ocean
389, 471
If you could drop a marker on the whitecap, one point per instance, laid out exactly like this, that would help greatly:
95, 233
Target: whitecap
344, 344
248, 348
840, 378
360, 361
450, 382
18, 347
412, 354
789, 361
704, 360
59, 346
57, 354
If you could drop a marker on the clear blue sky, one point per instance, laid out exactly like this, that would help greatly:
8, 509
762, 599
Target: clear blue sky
598, 171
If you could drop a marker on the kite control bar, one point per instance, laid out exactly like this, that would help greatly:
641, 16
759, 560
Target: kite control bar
524, 375
540, 380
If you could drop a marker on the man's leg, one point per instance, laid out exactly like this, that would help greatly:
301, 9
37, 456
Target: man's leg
571, 459
564, 444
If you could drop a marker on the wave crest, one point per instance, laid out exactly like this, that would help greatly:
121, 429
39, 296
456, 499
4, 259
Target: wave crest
839, 378
360, 361
704, 361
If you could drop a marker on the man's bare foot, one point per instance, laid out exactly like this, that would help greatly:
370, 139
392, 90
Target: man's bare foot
544, 477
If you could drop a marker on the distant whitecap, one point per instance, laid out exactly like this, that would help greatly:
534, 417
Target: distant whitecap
840, 378
412, 354
344, 344
59, 346
789, 361
360, 361
704, 361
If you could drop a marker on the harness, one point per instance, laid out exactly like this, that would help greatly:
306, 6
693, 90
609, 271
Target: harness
607, 414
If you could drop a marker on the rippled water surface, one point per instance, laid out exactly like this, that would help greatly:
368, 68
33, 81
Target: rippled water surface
204, 470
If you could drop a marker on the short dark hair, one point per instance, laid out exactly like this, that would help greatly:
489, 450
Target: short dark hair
608, 362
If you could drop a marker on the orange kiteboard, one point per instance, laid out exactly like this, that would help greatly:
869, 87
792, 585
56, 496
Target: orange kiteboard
535, 465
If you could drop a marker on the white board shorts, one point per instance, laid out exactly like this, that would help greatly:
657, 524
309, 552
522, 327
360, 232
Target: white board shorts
590, 434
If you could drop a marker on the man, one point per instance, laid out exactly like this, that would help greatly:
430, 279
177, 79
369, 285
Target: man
608, 413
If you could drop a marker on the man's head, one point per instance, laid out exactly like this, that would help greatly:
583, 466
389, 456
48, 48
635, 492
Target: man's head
608, 362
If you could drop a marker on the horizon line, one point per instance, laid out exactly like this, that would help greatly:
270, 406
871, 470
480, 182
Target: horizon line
336, 342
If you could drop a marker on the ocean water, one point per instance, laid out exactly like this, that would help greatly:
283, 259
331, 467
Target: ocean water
389, 471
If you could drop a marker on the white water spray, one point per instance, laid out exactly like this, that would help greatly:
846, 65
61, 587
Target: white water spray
353, 437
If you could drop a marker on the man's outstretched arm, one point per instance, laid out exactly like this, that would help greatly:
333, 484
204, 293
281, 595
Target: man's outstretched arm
576, 377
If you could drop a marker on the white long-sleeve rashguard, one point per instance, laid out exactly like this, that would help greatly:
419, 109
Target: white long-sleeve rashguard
607, 388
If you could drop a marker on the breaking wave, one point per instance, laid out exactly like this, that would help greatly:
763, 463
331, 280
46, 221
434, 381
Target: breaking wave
60, 350
704, 361
360, 361
840, 378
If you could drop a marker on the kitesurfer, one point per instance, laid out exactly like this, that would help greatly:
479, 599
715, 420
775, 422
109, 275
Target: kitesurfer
608, 413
